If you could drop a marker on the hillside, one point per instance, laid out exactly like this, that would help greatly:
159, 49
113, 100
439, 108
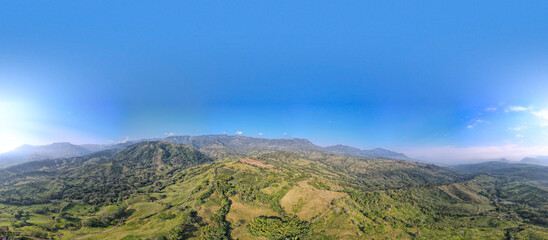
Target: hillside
98, 177
517, 171
163, 190
218, 146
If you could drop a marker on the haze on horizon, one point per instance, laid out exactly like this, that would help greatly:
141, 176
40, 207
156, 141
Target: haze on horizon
443, 81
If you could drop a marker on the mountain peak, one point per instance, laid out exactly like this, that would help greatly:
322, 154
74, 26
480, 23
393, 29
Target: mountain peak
160, 153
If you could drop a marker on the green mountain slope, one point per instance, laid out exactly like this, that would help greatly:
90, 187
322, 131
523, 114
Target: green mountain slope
99, 177
159, 190
516, 171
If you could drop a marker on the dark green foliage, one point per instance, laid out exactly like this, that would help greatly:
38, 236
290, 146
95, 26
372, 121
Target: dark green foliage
106, 178
106, 219
219, 228
187, 227
276, 228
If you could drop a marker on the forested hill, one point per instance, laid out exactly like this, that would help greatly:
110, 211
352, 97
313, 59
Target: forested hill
99, 177
214, 145
517, 171
248, 145
219, 190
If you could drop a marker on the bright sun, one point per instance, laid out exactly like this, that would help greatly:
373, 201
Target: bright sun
13, 118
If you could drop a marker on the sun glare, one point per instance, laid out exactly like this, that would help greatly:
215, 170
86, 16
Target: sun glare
12, 119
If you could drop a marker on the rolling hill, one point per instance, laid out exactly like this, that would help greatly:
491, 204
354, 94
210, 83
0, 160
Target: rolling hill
231, 189
231, 145
517, 171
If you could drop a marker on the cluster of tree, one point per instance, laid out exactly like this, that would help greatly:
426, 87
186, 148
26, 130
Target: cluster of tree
218, 227
107, 218
276, 228
186, 228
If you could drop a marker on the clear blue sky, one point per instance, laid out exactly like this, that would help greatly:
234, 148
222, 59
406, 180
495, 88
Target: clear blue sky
416, 76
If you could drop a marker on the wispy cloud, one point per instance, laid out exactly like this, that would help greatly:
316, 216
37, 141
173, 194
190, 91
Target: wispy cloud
518, 128
518, 109
260, 134
124, 140
519, 135
476, 122
491, 109
239, 132
169, 134
543, 113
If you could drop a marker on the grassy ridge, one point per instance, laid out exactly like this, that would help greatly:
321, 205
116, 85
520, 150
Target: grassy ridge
175, 192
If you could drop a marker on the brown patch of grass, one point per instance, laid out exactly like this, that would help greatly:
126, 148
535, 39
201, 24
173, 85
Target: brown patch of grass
308, 200
243, 214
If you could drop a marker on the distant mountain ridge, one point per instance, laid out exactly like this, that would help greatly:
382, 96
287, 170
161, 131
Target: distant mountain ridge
27, 153
373, 153
249, 144
529, 172
214, 145
540, 160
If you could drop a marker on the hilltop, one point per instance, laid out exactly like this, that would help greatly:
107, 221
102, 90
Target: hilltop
214, 145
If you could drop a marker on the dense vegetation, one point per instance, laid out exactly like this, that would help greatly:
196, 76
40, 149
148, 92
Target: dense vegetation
101, 178
171, 191
516, 171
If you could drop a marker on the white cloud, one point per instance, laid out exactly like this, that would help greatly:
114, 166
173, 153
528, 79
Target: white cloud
224, 132
169, 134
285, 134
519, 135
124, 140
260, 134
239, 132
491, 109
518, 109
476, 122
543, 113
518, 128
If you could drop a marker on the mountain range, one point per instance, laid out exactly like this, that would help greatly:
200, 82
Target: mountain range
28, 153
208, 143
540, 160
235, 187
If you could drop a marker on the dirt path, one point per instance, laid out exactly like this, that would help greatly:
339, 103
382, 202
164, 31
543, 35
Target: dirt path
108, 230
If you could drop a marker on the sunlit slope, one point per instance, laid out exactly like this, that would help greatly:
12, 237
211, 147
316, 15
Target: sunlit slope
183, 194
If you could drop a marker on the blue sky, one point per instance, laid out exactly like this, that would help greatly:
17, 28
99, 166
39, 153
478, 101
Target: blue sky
433, 79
